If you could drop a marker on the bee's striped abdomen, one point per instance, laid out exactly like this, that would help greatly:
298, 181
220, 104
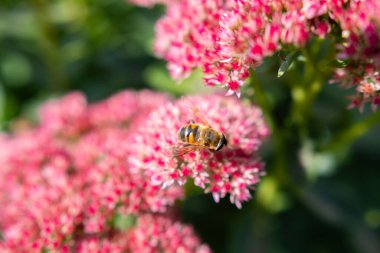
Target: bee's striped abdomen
189, 133
181, 133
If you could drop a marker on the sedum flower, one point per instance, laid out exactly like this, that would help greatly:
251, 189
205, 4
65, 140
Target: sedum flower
227, 38
149, 234
360, 26
234, 170
63, 181
155, 233
66, 116
366, 80
72, 115
39, 203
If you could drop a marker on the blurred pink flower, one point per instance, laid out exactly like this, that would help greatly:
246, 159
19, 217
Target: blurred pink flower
64, 180
66, 116
160, 234
72, 116
366, 80
150, 234
124, 107
234, 170
360, 24
39, 203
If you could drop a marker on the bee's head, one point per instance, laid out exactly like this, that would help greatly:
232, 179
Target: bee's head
222, 142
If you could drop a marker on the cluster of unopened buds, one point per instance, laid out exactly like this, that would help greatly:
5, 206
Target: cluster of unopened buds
104, 177
225, 38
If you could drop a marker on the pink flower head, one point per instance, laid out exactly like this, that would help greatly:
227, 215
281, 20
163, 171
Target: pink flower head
71, 116
39, 205
360, 25
102, 245
226, 38
154, 233
314, 8
366, 80
124, 107
233, 170
65, 116
63, 181
102, 155
149, 234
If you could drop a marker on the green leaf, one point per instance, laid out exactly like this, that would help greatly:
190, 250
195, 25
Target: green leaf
286, 63
124, 222
158, 78
336, 63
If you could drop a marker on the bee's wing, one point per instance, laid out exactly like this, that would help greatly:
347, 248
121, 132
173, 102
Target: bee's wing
183, 149
197, 115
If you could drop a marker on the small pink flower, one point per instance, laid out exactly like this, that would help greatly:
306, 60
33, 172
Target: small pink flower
369, 89
321, 27
314, 8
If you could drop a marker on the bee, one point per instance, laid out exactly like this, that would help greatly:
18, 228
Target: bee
194, 136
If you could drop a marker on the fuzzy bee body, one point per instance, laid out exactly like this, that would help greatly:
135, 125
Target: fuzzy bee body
195, 137
201, 136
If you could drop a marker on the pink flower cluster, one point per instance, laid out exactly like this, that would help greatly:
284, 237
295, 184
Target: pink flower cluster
150, 234
161, 233
228, 37
234, 170
63, 182
360, 24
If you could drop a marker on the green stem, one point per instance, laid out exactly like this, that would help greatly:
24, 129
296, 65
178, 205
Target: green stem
305, 92
262, 100
351, 134
319, 76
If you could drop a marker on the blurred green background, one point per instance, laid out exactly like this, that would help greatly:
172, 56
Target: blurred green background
321, 192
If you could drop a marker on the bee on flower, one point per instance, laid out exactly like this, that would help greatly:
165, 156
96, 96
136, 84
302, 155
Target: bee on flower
196, 136
200, 147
